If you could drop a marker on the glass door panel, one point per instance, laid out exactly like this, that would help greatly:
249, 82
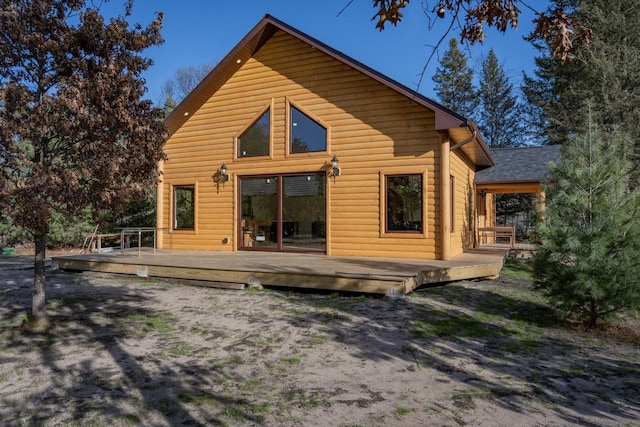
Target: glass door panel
304, 213
259, 212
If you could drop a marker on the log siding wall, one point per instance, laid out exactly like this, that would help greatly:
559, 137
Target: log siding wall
464, 228
373, 130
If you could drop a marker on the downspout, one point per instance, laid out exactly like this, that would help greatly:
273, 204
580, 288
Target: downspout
160, 205
445, 201
474, 134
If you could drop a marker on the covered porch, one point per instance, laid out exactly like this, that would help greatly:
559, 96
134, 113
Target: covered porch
291, 270
518, 171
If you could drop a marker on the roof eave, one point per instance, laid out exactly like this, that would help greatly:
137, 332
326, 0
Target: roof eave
226, 67
445, 119
470, 142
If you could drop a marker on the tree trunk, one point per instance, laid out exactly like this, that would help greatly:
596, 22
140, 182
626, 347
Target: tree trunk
593, 313
38, 310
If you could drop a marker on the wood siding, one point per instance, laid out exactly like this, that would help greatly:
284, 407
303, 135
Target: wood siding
373, 129
463, 227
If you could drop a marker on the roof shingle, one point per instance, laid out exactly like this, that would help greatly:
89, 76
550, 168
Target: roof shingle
520, 164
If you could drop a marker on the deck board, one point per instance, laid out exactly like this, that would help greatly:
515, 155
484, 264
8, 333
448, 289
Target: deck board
314, 271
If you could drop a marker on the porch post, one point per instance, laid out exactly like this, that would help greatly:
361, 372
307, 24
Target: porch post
541, 204
445, 200
159, 205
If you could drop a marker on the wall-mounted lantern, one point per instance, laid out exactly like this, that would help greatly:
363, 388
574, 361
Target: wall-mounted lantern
334, 167
224, 176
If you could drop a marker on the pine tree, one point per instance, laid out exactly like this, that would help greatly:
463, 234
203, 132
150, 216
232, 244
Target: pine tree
499, 116
454, 82
588, 264
607, 71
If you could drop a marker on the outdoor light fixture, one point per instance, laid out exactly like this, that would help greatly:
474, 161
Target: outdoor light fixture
440, 11
224, 176
334, 166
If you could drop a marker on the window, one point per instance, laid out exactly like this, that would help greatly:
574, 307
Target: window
306, 135
452, 186
255, 140
184, 207
284, 212
404, 203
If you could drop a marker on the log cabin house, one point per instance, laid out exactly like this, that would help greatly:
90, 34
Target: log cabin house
289, 145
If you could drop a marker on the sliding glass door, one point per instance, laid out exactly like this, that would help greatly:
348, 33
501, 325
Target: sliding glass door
285, 212
259, 207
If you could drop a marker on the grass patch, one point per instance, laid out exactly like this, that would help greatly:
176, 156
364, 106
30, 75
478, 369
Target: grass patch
419, 328
147, 324
465, 399
518, 269
403, 411
333, 296
131, 420
251, 384
261, 408
317, 339
291, 360
573, 371
197, 399
408, 349
235, 412
179, 349
458, 327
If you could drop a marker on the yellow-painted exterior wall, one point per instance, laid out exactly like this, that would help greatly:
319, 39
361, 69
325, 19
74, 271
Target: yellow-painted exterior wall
374, 130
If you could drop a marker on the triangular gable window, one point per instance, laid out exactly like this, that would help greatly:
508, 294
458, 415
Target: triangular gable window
255, 140
307, 135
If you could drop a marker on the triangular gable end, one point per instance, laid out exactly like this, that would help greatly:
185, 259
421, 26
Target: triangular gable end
457, 127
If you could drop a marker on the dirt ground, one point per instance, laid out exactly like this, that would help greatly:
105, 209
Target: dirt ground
133, 351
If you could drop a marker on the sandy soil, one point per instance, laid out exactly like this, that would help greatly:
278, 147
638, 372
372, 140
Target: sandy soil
133, 351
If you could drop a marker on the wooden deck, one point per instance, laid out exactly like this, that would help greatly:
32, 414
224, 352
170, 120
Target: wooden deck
234, 269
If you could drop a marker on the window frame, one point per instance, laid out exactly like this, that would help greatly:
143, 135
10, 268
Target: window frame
452, 188
174, 207
237, 137
288, 138
384, 231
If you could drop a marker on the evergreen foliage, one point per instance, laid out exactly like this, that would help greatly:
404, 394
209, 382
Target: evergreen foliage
454, 82
607, 71
499, 116
588, 264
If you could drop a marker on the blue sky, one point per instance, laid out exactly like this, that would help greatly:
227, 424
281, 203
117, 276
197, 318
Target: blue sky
204, 31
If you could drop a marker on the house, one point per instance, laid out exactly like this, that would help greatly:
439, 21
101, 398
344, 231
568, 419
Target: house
518, 170
289, 145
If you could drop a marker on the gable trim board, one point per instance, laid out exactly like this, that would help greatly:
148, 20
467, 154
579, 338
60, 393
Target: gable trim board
376, 126
459, 128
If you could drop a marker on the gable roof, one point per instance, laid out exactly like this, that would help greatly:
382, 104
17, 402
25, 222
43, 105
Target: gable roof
520, 165
460, 129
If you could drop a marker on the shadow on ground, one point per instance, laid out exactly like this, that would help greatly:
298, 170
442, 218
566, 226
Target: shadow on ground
494, 340
465, 328
100, 319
